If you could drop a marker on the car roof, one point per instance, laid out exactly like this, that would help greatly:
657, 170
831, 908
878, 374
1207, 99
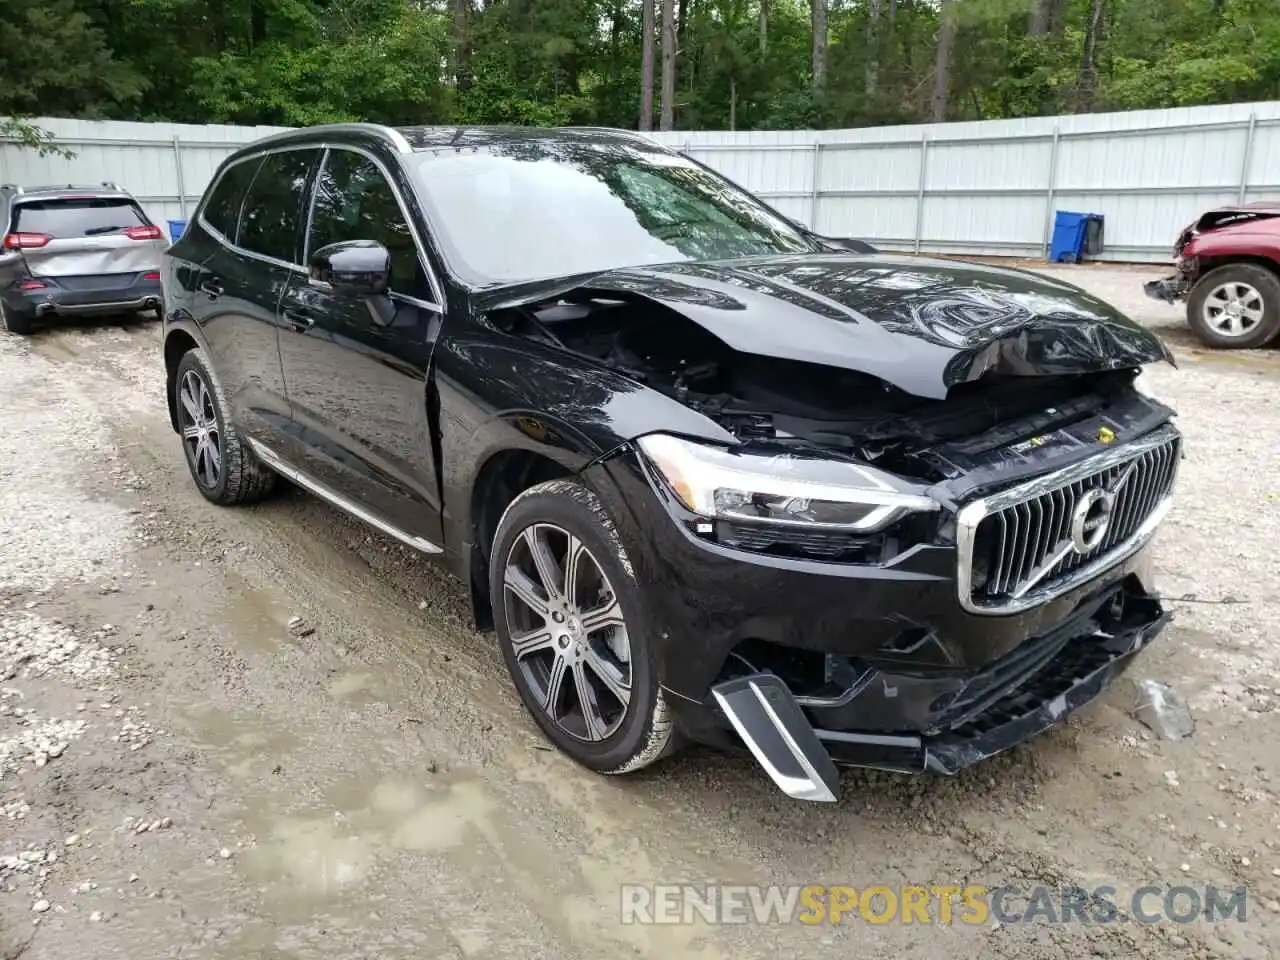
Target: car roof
53, 191
408, 140
428, 138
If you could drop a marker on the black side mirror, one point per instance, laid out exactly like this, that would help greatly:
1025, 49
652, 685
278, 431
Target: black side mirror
354, 267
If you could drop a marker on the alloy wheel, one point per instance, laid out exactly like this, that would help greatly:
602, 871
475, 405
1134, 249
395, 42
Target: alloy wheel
567, 632
200, 433
1233, 309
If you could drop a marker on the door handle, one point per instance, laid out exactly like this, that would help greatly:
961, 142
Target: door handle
212, 288
301, 320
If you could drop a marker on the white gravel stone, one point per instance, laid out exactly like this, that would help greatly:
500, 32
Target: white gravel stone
135, 731
40, 906
52, 532
36, 647
15, 810
36, 740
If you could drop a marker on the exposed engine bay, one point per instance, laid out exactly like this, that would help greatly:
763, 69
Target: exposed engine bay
799, 404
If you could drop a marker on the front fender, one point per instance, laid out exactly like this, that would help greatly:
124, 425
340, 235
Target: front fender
500, 394
180, 335
1237, 243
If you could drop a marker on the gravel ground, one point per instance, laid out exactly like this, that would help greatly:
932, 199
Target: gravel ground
184, 774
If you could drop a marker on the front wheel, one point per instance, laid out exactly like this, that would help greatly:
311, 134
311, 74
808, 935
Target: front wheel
573, 631
1236, 307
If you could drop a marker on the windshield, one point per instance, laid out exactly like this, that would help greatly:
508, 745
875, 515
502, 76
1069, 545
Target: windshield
532, 209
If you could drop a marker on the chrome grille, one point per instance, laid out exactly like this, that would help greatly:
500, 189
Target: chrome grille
1022, 544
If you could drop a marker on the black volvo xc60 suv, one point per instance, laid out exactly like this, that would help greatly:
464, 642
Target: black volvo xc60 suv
707, 474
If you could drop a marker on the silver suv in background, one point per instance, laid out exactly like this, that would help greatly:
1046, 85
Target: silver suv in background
76, 250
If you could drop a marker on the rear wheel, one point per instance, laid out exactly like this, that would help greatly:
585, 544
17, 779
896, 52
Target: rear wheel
1236, 306
223, 467
573, 630
14, 322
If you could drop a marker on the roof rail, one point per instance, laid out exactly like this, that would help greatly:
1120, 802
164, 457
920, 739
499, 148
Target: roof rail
110, 185
11, 186
390, 134
617, 131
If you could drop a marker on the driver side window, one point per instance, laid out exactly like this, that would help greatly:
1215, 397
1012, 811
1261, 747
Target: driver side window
354, 201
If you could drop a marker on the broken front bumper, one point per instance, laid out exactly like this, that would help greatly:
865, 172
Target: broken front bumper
1170, 289
973, 717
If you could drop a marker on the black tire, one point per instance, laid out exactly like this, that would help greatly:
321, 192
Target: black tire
240, 477
1242, 277
645, 730
18, 323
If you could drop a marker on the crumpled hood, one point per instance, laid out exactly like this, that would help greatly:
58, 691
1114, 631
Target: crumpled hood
922, 325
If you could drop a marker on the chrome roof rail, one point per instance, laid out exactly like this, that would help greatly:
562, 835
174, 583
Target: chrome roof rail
390, 134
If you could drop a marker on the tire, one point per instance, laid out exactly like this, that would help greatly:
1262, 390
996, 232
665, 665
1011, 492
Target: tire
15, 322
229, 473
617, 741
1236, 307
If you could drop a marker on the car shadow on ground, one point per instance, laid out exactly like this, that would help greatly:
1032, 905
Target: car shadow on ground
88, 323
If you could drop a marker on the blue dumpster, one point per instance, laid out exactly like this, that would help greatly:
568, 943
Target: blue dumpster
175, 229
1075, 235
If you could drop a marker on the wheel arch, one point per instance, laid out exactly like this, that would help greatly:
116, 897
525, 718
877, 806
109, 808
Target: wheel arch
1213, 261
177, 343
500, 479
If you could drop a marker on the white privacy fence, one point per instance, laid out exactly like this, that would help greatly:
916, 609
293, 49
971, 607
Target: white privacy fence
165, 165
992, 187
988, 187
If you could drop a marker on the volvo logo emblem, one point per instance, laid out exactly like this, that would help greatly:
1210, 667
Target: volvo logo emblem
1091, 519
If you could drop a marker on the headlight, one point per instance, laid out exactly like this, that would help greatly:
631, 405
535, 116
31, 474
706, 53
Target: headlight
718, 483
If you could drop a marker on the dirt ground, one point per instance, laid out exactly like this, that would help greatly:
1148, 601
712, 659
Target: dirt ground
183, 775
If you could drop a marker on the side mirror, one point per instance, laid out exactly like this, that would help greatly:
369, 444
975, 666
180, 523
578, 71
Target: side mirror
359, 268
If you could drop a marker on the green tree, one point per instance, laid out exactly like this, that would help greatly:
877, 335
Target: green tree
56, 61
746, 64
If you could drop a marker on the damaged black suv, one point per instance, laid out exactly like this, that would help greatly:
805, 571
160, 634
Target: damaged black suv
707, 474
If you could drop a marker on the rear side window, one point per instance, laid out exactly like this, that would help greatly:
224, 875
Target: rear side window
67, 217
222, 210
271, 218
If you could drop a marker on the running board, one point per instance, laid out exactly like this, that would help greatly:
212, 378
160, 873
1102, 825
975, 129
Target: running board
273, 460
772, 725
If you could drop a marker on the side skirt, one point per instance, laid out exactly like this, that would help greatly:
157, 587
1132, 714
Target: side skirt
311, 485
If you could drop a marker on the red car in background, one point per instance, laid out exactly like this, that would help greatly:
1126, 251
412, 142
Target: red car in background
1228, 272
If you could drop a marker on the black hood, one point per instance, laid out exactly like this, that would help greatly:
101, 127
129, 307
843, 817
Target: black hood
922, 325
